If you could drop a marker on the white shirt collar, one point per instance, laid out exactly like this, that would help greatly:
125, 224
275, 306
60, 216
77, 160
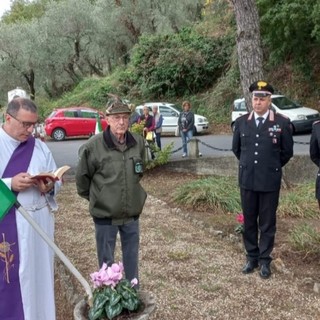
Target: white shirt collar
265, 116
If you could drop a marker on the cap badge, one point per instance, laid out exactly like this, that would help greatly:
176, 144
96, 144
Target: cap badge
261, 84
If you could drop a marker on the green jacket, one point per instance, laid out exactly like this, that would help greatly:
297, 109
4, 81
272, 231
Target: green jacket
106, 177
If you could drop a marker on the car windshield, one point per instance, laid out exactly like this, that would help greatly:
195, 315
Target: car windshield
239, 105
176, 107
284, 103
52, 114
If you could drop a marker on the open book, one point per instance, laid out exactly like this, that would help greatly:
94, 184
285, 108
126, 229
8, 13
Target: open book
54, 176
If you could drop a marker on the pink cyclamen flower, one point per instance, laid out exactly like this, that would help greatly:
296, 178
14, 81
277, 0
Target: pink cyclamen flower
117, 268
240, 218
134, 282
113, 275
108, 276
99, 278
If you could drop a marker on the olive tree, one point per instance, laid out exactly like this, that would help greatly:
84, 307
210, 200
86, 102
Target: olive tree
53, 44
121, 23
53, 51
66, 42
17, 53
71, 23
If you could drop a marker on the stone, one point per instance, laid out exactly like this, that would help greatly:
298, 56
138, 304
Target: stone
316, 287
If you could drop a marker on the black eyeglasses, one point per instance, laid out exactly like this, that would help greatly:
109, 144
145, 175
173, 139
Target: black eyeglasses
26, 125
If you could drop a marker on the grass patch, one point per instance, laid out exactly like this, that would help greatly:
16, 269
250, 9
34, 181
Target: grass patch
222, 195
299, 202
179, 256
211, 288
305, 238
219, 194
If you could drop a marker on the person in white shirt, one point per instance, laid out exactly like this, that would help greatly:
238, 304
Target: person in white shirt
26, 265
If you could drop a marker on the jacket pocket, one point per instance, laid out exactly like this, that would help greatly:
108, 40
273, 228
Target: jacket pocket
274, 177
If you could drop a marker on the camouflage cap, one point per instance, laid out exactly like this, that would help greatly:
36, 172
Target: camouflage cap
116, 105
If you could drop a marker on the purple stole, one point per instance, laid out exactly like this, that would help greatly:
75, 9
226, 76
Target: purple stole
10, 293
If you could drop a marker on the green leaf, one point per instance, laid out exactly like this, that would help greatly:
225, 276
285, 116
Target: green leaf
114, 298
113, 310
123, 284
100, 301
107, 291
126, 294
131, 304
95, 313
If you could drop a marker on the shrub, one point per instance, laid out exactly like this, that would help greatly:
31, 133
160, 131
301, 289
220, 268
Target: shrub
179, 64
161, 156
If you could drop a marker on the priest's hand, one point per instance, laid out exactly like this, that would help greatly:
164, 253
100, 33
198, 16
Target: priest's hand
21, 182
44, 186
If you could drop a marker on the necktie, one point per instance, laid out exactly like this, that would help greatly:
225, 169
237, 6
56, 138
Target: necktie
260, 119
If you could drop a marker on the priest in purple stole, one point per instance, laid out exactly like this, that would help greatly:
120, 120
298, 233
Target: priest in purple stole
26, 261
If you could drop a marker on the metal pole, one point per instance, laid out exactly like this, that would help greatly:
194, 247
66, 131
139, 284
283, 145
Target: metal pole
57, 251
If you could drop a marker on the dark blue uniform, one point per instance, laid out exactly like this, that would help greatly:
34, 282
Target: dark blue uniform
315, 153
261, 154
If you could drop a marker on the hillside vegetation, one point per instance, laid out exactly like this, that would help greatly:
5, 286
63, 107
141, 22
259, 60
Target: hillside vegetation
193, 57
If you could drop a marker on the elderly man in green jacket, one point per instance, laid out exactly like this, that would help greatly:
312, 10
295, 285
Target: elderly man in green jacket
108, 175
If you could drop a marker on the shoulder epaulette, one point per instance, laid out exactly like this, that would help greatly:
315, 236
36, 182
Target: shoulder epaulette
250, 115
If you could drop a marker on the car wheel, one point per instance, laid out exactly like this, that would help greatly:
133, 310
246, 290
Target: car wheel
58, 134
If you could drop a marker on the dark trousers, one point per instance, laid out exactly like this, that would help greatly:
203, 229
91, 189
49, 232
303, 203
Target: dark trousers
259, 210
106, 236
158, 139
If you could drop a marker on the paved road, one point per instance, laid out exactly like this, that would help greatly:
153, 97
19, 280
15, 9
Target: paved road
65, 152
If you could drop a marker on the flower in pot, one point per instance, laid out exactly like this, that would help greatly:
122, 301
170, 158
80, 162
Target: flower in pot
113, 294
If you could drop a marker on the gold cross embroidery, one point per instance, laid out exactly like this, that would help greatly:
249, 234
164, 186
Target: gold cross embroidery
6, 256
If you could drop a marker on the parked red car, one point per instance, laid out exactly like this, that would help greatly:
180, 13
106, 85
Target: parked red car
72, 122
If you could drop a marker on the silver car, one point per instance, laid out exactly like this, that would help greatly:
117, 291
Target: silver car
170, 114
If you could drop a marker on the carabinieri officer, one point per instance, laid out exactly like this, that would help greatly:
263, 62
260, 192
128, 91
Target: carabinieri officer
314, 152
263, 144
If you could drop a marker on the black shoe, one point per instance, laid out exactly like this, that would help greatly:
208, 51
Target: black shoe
250, 266
265, 271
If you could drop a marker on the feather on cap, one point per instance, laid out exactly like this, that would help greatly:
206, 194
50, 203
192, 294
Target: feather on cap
116, 105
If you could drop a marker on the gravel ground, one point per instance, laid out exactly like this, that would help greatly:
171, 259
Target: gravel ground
193, 272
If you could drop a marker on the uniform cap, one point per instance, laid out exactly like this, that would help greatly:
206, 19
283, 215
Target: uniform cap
261, 88
116, 105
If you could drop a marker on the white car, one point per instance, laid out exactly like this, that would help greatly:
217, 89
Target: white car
301, 117
170, 114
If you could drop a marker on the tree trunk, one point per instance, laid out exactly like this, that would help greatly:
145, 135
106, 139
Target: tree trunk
69, 68
93, 68
248, 45
30, 80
